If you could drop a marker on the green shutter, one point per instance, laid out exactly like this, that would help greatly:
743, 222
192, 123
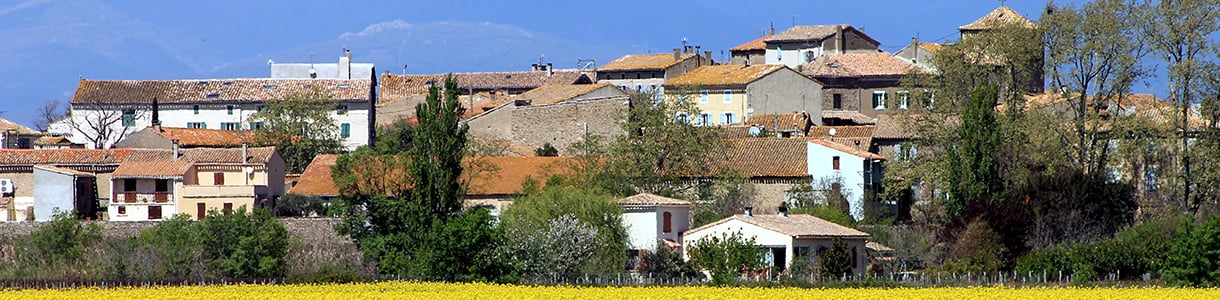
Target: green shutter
345, 130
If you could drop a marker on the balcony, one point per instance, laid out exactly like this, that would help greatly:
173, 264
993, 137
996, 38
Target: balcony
142, 197
209, 191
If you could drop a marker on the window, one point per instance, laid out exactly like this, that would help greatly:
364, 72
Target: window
129, 117
667, 222
728, 118
196, 109
201, 210
230, 126
705, 119
122, 210
345, 130
154, 212
162, 185
218, 178
802, 251
898, 152
835, 163
728, 96
229, 109
703, 96
903, 97
196, 125
879, 100
228, 208
129, 185
256, 125
838, 101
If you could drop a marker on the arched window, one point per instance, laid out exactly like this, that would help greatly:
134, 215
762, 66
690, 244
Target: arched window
667, 222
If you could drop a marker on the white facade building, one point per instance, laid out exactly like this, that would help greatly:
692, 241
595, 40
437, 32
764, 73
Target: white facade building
125, 106
857, 171
651, 219
784, 237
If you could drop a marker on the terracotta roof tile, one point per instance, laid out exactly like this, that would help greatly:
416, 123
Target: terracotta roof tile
212, 90
645, 62
317, 180
862, 151
755, 45
646, 199
199, 137
931, 47
76, 156
889, 127
854, 116
845, 135
788, 121
856, 65
161, 168
1002, 14
555, 93
767, 157
796, 225
52, 140
258, 155
806, 33
6, 125
723, 75
62, 170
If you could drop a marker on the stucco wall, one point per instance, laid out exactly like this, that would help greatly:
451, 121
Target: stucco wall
56, 191
493, 125
786, 91
564, 123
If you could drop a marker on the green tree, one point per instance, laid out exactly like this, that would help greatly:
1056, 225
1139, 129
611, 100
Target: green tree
58, 249
300, 126
1194, 258
436, 156
836, 260
976, 172
534, 215
240, 244
725, 256
464, 249
666, 263
722, 197
661, 146
174, 243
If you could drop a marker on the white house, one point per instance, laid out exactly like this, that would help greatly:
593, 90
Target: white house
63, 190
147, 190
856, 172
784, 237
105, 111
651, 219
801, 44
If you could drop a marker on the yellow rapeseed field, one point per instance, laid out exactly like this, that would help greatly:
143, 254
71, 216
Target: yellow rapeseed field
447, 291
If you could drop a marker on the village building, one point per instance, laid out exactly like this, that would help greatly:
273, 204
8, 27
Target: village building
785, 238
478, 91
730, 94
17, 136
653, 221
646, 73
559, 115
195, 182
802, 44
867, 83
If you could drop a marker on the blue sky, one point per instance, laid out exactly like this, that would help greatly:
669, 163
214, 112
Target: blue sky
50, 44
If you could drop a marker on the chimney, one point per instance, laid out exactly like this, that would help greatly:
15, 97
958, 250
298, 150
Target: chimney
708, 54
687, 49
156, 115
244, 153
175, 148
345, 65
783, 211
550, 69
534, 67
840, 40
749, 211
677, 54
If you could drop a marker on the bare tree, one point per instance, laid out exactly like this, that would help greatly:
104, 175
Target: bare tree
52, 110
102, 124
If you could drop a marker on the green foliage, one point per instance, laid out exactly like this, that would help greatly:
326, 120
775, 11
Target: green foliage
300, 127
665, 262
436, 157
825, 212
463, 249
1194, 259
722, 197
1070, 206
976, 172
534, 217
394, 138
725, 256
174, 245
658, 150
836, 260
1130, 253
239, 245
60, 248
978, 249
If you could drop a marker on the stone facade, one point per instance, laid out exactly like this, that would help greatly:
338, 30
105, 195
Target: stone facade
568, 122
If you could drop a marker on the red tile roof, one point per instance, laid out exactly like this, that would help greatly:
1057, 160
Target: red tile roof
861, 151
755, 45
199, 137
646, 199
161, 168
63, 170
76, 156
767, 157
856, 65
254, 155
788, 121
796, 225
806, 33
555, 93
395, 86
1000, 15
317, 180
213, 90
723, 75
845, 135
53, 140
6, 125
636, 62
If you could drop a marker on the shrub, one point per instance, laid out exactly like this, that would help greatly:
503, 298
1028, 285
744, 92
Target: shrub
1194, 259
666, 263
60, 248
836, 260
725, 256
978, 249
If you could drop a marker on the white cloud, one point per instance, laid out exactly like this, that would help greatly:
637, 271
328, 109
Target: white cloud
20, 6
378, 27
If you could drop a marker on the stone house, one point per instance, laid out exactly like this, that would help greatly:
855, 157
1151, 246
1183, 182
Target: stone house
730, 94
478, 91
18, 166
126, 106
555, 114
866, 82
802, 44
196, 182
648, 72
785, 238
752, 52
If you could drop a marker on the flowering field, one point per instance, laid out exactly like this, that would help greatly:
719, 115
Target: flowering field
443, 291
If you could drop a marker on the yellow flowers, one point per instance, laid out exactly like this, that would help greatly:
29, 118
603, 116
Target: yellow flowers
452, 291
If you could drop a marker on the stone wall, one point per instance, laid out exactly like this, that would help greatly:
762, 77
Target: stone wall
309, 230
564, 123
